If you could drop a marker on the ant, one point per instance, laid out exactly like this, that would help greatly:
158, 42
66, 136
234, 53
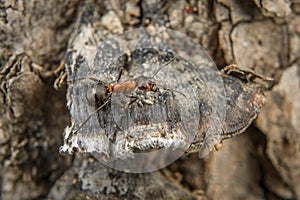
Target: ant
103, 93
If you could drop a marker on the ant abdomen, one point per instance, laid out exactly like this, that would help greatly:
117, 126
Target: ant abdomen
96, 95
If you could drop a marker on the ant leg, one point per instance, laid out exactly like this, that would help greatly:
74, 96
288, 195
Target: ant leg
89, 117
105, 84
99, 81
119, 74
133, 99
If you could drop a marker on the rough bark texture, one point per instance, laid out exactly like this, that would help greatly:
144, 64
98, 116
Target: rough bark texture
262, 163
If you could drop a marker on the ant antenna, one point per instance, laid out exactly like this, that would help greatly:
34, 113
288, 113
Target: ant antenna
98, 81
155, 73
171, 90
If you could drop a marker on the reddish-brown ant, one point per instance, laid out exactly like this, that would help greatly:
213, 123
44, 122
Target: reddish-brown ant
141, 83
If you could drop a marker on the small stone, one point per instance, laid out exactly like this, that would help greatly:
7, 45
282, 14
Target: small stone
112, 22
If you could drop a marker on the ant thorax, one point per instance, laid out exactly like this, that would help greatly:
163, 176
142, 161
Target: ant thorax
144, 93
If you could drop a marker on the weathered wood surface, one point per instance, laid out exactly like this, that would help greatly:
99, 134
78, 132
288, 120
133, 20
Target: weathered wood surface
263, 163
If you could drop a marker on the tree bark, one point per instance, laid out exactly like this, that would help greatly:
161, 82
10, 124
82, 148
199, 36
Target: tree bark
262, 163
